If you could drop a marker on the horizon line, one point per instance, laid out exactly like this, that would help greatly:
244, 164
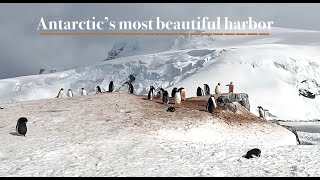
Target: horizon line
148, 34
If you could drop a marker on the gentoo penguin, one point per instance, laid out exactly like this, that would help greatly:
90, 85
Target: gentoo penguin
83, 92
177, 98
98, 90
199, 91
60, 93
111, 86
255, 151
217, 90
206, 89
183, 93
211, 105
70, 94
21, 126
171, 109
165, 97
262, 112
151, 93
131, 88
173, 92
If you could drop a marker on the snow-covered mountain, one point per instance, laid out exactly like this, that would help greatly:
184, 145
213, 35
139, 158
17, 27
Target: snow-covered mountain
269, 69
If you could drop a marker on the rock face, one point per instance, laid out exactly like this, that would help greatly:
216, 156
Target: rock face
226, 101
294, 131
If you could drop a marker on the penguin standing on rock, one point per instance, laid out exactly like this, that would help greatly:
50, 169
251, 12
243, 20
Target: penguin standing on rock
98, 90
111, 86
21, 127
217, 90
177, 98
70, 94
206, 89
165, 97
183, 93
211, 105
83, 92
199, 91
60, 93
173, 92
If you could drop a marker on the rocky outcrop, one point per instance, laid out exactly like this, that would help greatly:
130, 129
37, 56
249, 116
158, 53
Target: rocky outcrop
293, 130
226, 101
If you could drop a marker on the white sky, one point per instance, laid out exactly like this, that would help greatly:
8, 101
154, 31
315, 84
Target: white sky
24, 52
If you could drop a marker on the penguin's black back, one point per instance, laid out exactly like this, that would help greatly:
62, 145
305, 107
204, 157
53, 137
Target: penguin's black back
98, 89
111, 86
165, 96
22, 126
173, 92
210, 105
199, 91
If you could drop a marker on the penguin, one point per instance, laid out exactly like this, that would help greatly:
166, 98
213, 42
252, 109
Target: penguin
217, 90
211, 105
151, 93
173, 92
70, 94
177, 98
60, 93
231, 87
21, 127
262, 112
199, 91
206, 89
165, 97
183, 93
171, 109
131, 89
98, 90
255, 151
111, 86
83, 92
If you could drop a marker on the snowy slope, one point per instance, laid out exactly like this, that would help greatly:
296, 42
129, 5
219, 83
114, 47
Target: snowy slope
268, 68
79, 136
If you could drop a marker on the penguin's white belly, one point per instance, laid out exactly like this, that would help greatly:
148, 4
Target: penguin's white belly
177, 98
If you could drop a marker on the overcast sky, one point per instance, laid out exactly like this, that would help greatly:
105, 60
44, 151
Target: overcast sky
24, 52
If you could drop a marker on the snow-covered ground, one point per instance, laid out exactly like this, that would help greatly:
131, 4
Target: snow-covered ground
127, 135
269, 69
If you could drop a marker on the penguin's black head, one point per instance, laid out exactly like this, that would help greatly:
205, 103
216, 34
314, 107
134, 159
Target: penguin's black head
219, 84
82, 88
22, 120
61, 89
69, 89
259, 107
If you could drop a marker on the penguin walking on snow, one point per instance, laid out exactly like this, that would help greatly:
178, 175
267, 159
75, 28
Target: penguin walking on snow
98, 90
151, 93
206, 89
199, 91
183, 93
111, 86
21, 127
262, 112
211, 104
217, 90
83, 92
177, 98
173, 92
60, 93
70, 94
165, 97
